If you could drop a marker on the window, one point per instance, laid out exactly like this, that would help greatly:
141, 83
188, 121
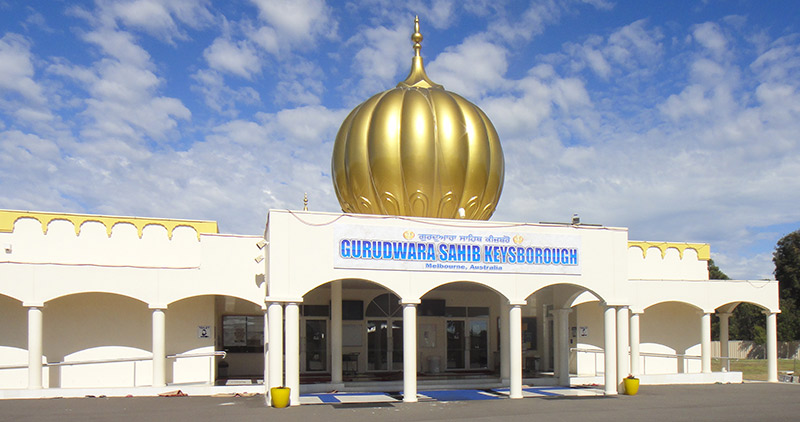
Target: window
385, 305
316, 311
243, 333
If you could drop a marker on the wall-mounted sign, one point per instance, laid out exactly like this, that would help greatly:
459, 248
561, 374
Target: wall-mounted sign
203, 331
462, 250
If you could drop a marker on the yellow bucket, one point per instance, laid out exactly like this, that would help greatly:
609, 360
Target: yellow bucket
279, 396
631, 386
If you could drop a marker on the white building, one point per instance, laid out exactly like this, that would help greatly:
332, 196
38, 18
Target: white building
97, 301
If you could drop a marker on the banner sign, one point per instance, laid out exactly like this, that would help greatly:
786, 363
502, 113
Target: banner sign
460, 250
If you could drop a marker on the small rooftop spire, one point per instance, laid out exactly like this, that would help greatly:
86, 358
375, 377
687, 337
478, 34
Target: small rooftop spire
305, 201
416, 36
417, 77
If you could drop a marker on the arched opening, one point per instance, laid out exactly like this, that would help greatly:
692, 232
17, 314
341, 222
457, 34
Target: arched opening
190, 341
113, 330
458, 331
371, 332
13, 343
384, 326
238, 330
563, 330
739, 331
670, 338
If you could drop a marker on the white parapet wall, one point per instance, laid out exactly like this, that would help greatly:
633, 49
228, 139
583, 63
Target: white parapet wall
98, 280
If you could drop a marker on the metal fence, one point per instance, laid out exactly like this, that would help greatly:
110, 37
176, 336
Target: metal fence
747, 349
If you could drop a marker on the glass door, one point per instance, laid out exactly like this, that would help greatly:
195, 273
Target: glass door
316, 345
384, 346
478, 344
397, 345
377, 345
456, 345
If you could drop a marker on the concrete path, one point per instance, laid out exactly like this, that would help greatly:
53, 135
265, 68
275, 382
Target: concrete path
735, 402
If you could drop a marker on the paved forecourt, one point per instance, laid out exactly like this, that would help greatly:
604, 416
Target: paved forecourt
735, 402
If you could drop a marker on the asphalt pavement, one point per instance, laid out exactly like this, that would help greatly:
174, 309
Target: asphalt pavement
735, 402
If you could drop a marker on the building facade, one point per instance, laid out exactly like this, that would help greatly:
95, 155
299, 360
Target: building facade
328, 301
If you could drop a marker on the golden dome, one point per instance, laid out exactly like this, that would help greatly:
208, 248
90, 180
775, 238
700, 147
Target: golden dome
418, 150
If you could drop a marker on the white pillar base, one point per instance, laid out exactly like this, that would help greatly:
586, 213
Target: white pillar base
623, 336
610, 352
705, 344
293, 353
34, 348
275, 313
159, 348
772, 347
635, 360
409, 353
336, 332
515, 349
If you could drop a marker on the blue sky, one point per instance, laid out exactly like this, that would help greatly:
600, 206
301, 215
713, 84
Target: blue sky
679, 120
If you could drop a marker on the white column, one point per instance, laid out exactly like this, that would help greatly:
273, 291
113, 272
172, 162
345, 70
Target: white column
293, 352
623, 336
705, 343
515, 349
159, 348
505, 353
275, 313
772, 347
34, 348
409, 353
556, 344
336, 332
562, 322
635, 360
545, 340
266, 353
724, 333
610, 352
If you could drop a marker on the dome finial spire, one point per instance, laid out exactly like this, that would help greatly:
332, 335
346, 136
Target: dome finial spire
417, 77
416, 36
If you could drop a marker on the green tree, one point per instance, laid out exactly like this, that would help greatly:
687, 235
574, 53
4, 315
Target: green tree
787, 271
747, 322
714, 273
787, 265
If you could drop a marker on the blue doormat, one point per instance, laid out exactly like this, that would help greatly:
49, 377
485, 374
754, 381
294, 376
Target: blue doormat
458, 395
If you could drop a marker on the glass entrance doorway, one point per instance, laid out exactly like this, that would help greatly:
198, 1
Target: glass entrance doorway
316, 345
468, 338
384, 334
384, 345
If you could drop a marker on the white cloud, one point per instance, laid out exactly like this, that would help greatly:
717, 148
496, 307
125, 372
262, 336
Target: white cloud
626, 49
382, 53
709, 35
220, 97
471, 68
297, 21
238, 58
266, 38
157, 17
441, 13
16, 68
123, 102
28, 166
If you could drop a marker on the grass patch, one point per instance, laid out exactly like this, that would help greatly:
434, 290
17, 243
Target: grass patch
755, 369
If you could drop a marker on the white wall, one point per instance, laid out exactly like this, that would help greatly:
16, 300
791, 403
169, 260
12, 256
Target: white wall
303, 247
670, 328
96, 326
183, 320
13, 342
